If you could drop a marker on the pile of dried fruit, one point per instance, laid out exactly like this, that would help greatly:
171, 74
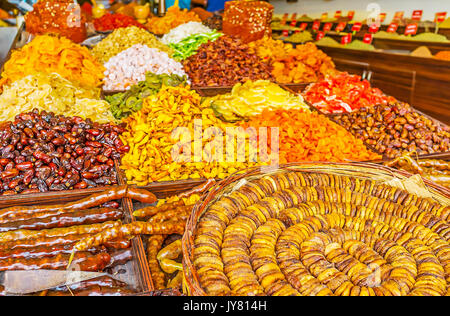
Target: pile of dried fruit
395, 129
43, 152
110, 22
173, 18
149, 136
130, 66
50, 54
302, 64
251, 98
225, 62
269, 49
343, 93
56, 17
125, 103
124, 38
311, 137
214, 22
53, 93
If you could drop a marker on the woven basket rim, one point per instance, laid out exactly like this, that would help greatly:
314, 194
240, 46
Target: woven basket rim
191, 284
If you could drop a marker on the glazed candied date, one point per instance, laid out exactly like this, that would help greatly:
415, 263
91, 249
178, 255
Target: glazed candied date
44, 152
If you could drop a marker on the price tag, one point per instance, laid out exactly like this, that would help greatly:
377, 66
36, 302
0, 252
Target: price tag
398, 16
417, 15
382, 17
338, 14
327, 27
411, 29
392, 28
320, 35
303, 26
340, 27
368, 38
357, 27
351, 15
374, 28
346, 39
324, 16
285, 33
316, 25
440, 17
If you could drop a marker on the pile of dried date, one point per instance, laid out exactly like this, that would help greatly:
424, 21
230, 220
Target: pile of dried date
42, 152
225, 62
395, 129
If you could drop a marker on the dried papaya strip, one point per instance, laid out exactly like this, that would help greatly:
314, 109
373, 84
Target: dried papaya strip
167, 215
154, 245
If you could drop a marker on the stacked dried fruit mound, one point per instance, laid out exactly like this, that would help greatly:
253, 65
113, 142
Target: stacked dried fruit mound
251, 98
318, 230
310, 137
56, 17
125, 103
161, 152
43, 152
50, 54
225, 62
130, 66
173, 18
395, 129
344, 93
124, 38
303, 64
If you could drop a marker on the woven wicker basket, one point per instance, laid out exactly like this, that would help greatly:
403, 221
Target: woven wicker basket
191, 284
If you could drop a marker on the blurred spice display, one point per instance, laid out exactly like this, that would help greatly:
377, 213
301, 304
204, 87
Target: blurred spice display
344, 93
396, 128
437, 171
124, 38
129, 67
110, 22
173, 17
225, 62
50, 54
311, 136
53, 93
56, 17
248, 20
